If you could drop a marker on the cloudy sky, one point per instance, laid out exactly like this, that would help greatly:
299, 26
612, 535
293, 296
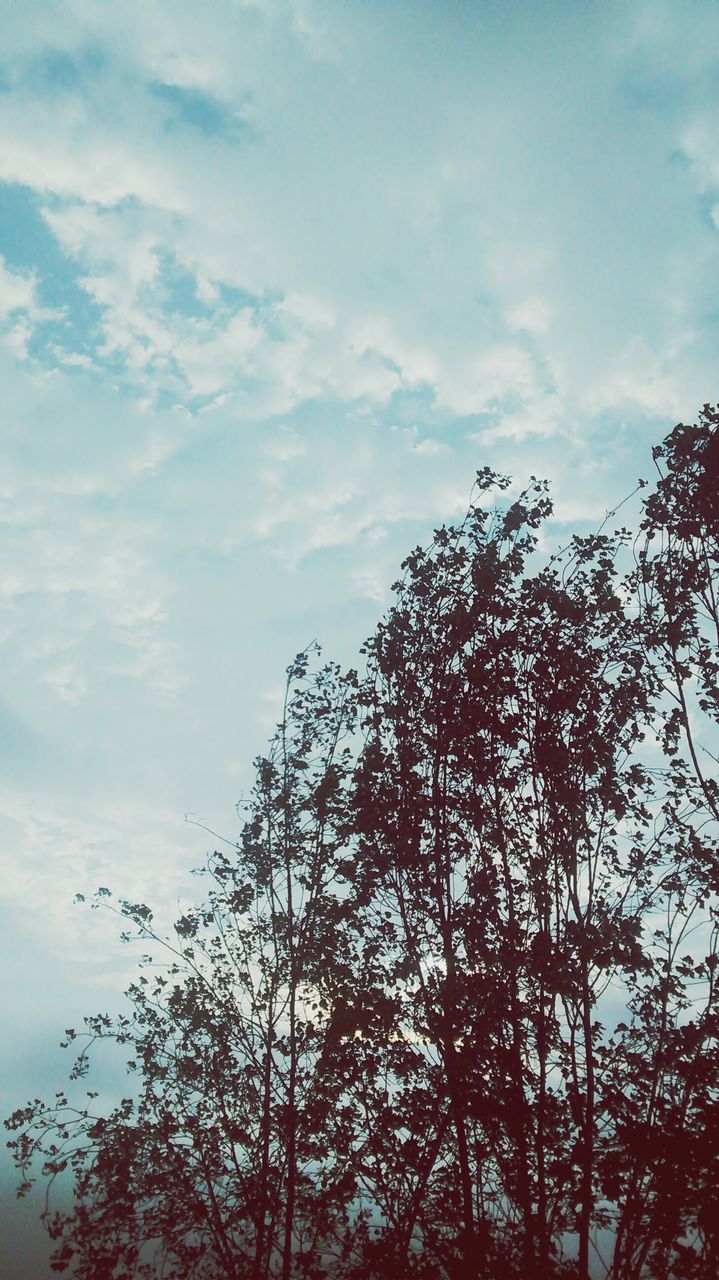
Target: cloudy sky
276, 278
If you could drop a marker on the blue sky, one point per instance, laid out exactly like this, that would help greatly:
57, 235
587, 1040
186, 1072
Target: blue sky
275, 279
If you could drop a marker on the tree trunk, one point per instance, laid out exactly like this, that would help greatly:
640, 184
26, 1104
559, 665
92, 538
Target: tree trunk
586, 1184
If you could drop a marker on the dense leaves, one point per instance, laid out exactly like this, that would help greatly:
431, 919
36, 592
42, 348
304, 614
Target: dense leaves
449, 1008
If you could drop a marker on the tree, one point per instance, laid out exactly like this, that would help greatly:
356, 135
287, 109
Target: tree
450, 1007
665, 1076
204, 1170
497, 778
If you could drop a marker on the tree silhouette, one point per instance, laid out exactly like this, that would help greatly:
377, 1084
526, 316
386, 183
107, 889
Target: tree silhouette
497, 778
449, 1008
231, 1159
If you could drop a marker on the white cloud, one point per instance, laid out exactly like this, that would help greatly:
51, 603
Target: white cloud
51, 852
66, 680
368, 222
544, 416
531, 315
17, 291
644, 381
20, 311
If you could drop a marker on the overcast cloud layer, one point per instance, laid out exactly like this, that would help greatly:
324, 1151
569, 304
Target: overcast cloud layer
275, 279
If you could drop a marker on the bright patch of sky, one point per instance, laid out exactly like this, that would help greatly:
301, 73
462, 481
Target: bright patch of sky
276, 278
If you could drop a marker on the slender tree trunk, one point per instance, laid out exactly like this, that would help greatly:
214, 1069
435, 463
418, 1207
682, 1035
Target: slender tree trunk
216, 1224
473, 1259
419, 1191
586, 1185
520, 1126
542, 1265
291, 1159
264, 1157
519, 1116
473, 1256
291, 1187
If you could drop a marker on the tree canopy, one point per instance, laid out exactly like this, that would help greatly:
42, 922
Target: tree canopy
449, 1007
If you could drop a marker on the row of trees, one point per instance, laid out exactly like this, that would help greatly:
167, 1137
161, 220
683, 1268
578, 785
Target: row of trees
450, 1005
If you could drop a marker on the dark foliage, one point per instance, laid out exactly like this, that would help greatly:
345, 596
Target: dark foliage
449, 1008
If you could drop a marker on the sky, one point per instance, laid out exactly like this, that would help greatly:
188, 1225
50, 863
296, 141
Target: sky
276, 278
